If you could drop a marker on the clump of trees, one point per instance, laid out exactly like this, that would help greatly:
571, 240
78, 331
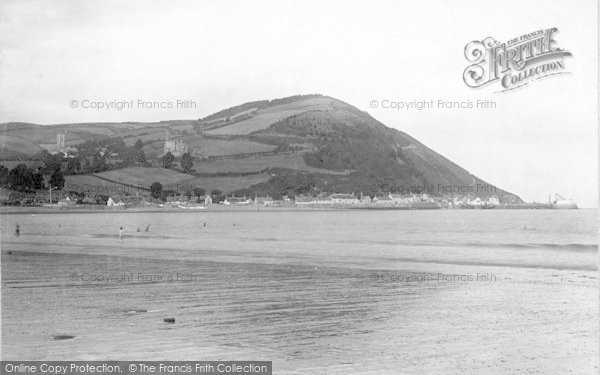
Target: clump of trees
158, 192
199, 191
57, 181
156, 189
168, 160
98, 155
24, 179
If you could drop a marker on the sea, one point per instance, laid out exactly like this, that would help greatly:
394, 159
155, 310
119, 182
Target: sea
315, 292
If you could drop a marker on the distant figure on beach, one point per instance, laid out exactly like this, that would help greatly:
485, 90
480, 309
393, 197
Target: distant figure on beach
204, 225
121, 234
147, 228
17, 230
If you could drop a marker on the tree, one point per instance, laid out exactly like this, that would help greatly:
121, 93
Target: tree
156, 189
138, 144
140, 157
38, 181
199, 191
52, 162
73, 165
216, 195
167, 193
168, 159
57, 180
3, 175
187, 163
99, 163
21, 178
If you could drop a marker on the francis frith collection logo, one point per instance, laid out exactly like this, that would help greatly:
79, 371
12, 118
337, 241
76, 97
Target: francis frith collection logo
514, 63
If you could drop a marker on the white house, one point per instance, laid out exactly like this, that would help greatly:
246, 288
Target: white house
493, 200
457, 201
384, 200
323, 199
111, 203
344, 199
300, 200
237, 200
402, 199
263, 200
475, 202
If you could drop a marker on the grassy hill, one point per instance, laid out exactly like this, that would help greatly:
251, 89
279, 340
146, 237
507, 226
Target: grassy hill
300, 144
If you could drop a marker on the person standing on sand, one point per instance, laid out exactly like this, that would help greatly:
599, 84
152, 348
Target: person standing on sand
17, 230
121, 234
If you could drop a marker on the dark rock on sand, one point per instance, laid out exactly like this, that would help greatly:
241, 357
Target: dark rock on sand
63, 337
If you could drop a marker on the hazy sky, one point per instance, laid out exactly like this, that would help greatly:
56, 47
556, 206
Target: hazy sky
540, 139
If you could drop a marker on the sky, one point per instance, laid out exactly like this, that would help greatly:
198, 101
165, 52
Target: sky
540, 139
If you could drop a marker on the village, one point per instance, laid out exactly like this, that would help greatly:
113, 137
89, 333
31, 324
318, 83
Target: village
214, 200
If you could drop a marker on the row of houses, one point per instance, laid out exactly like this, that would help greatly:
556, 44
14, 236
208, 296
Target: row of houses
351, 199
67, 199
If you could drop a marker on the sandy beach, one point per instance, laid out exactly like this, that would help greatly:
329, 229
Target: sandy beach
333, 297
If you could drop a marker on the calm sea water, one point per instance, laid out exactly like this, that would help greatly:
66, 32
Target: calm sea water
446, 291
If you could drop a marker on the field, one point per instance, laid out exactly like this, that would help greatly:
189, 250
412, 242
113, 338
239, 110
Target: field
154, 139
93, 185
144, 176
217, 147
264, 118
37, 135
259, 122
303, 105
24, 140
18, 140
132, 180
225, 184
10, 164
145, 135
14, 146
256, 164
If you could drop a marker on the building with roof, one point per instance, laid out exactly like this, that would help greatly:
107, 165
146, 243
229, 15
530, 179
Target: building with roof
344, 199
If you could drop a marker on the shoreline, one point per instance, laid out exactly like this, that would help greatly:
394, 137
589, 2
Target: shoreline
84, 209
105, 209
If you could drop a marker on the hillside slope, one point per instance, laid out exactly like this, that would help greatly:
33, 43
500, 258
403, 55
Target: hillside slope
307, 144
